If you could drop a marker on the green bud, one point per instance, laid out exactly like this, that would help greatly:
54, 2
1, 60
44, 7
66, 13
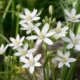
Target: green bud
51, 10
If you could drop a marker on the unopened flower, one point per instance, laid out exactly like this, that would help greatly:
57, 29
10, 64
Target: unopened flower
29, 27
16, 42
32, 62
3, 48
29, 16
60, 32
74, 41
24, 52
64, 59
42, 35
71, 16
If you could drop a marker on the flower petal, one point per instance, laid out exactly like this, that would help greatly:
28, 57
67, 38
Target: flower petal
37, 57
37, 64
31, 70
45, 28
48, 41
37, 31
73, 12
60, 64
70, 45
66, 39
71, 60
33, 37
67, 64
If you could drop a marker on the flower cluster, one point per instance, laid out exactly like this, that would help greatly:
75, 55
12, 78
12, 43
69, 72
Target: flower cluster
44, 34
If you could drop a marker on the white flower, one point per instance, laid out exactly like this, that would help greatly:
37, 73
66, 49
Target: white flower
32, 62
64, 59
29, 16
59, 32
42, 36
16, 42
3, 48
29, 27
71, 16
24, 52
74, 41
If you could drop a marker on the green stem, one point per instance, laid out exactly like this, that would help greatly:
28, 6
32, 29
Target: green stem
6, 10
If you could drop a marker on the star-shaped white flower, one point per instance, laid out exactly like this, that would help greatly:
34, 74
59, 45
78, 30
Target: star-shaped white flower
64, 59
71, 16
74, 41
29, 16
29, 27
42, 35
16, 42
3, 48
31, 62
24, 52
59, 32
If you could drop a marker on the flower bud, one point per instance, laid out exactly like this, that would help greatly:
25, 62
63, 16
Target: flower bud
51, 10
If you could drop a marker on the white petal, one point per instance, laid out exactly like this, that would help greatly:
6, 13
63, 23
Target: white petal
71, 60
28, 32
24, 60
49, 34
67, 12
67, 54
25, 66
48, 41
72, 35
22, 16
67, 64
17, 54
78, 16
32, 37
57, 59
22, 22
37, 64
73, 12
37, 57
38, 42
37, 31
59, 24
60, 64
59, 53
26, 46
45, 28
33, 14
21, 40
31, 69
69, 46
18, 37
30, 51
12, 39
31, 57
36, 18
27, 11
78, 36
66, 39
77, 47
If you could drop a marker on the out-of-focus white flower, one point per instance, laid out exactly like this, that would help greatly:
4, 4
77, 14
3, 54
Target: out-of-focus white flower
24, 52
32, 62
42, 36
29, 16
74, 41
64, 59
59, 32
3, 48
29, 27
16, 42
71, 16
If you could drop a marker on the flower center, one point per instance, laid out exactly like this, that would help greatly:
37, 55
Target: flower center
28, 17
41, 36
23, 52
58, 30
16, 42
64, 59
75, 41
31, 62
